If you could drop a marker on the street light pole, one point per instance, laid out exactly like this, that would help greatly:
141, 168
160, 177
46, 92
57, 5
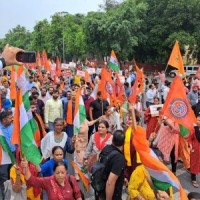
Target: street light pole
62, 14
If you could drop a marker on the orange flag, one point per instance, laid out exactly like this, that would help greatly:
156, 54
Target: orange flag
16, 133
38, 59
134, 91
58, 66
45, 61
119, 89
84, 176
13, 90
106, 85
175, 59
140, 76
88, 78
177, 107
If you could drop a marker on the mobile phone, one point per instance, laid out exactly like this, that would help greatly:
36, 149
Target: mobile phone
26, 57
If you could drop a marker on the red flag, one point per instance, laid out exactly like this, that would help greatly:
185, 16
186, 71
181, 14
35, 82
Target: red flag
58, 66
177, 107
45, 61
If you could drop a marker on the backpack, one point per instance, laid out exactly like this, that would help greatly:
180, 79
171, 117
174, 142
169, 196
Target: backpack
98, 173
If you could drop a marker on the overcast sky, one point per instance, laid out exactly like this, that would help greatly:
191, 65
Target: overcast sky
28, 12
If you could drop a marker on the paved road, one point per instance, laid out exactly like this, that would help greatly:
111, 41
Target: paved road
182, 175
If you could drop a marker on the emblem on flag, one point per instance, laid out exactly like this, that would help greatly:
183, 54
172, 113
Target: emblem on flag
179, 108
109, 87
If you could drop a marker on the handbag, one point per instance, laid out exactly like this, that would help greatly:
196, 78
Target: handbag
11, 195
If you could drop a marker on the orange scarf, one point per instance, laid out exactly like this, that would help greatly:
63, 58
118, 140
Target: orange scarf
69, 119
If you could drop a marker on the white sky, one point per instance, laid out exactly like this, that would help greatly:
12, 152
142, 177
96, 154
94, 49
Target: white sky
28, 12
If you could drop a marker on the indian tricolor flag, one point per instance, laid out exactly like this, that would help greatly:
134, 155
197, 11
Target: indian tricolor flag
6, 156
79, 114
27, 124
162, 178
113, 64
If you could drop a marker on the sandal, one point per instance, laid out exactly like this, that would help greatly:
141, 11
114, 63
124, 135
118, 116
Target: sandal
195, 184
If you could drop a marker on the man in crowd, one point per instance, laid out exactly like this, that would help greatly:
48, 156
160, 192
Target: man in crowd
97, 107
53, 110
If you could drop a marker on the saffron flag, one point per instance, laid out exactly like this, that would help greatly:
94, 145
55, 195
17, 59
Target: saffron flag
140, 79
58, 66
88, 79
16, 122
45, 61
79, 113
113, 63
175, 59
6, 156
177, 107
119, 89
28, 125
13, 90
82, 172
38, 59
106, 85
134, 91
162, 178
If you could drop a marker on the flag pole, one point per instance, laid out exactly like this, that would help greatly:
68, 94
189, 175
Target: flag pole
166, 68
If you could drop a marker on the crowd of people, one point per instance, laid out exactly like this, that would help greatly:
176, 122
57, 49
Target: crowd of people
105, 130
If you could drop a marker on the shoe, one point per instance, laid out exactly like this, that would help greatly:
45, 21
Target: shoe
195, 184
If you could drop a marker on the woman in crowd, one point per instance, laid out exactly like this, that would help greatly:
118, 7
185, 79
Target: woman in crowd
46, 169
18, 180
97, 142
60, 186
81, 142
57, 138
168, 141
108, 117
151, 121
194, 142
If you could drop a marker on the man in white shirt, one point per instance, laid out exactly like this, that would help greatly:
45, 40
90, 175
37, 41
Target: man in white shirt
53, 109
150, 94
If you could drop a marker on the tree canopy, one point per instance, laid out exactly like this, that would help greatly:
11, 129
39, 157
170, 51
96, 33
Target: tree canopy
142, 29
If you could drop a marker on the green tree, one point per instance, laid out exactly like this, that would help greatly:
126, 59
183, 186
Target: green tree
19, 37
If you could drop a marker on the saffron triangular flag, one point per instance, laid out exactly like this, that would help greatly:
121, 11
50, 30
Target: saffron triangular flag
176, 60
177, 107
58, 66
